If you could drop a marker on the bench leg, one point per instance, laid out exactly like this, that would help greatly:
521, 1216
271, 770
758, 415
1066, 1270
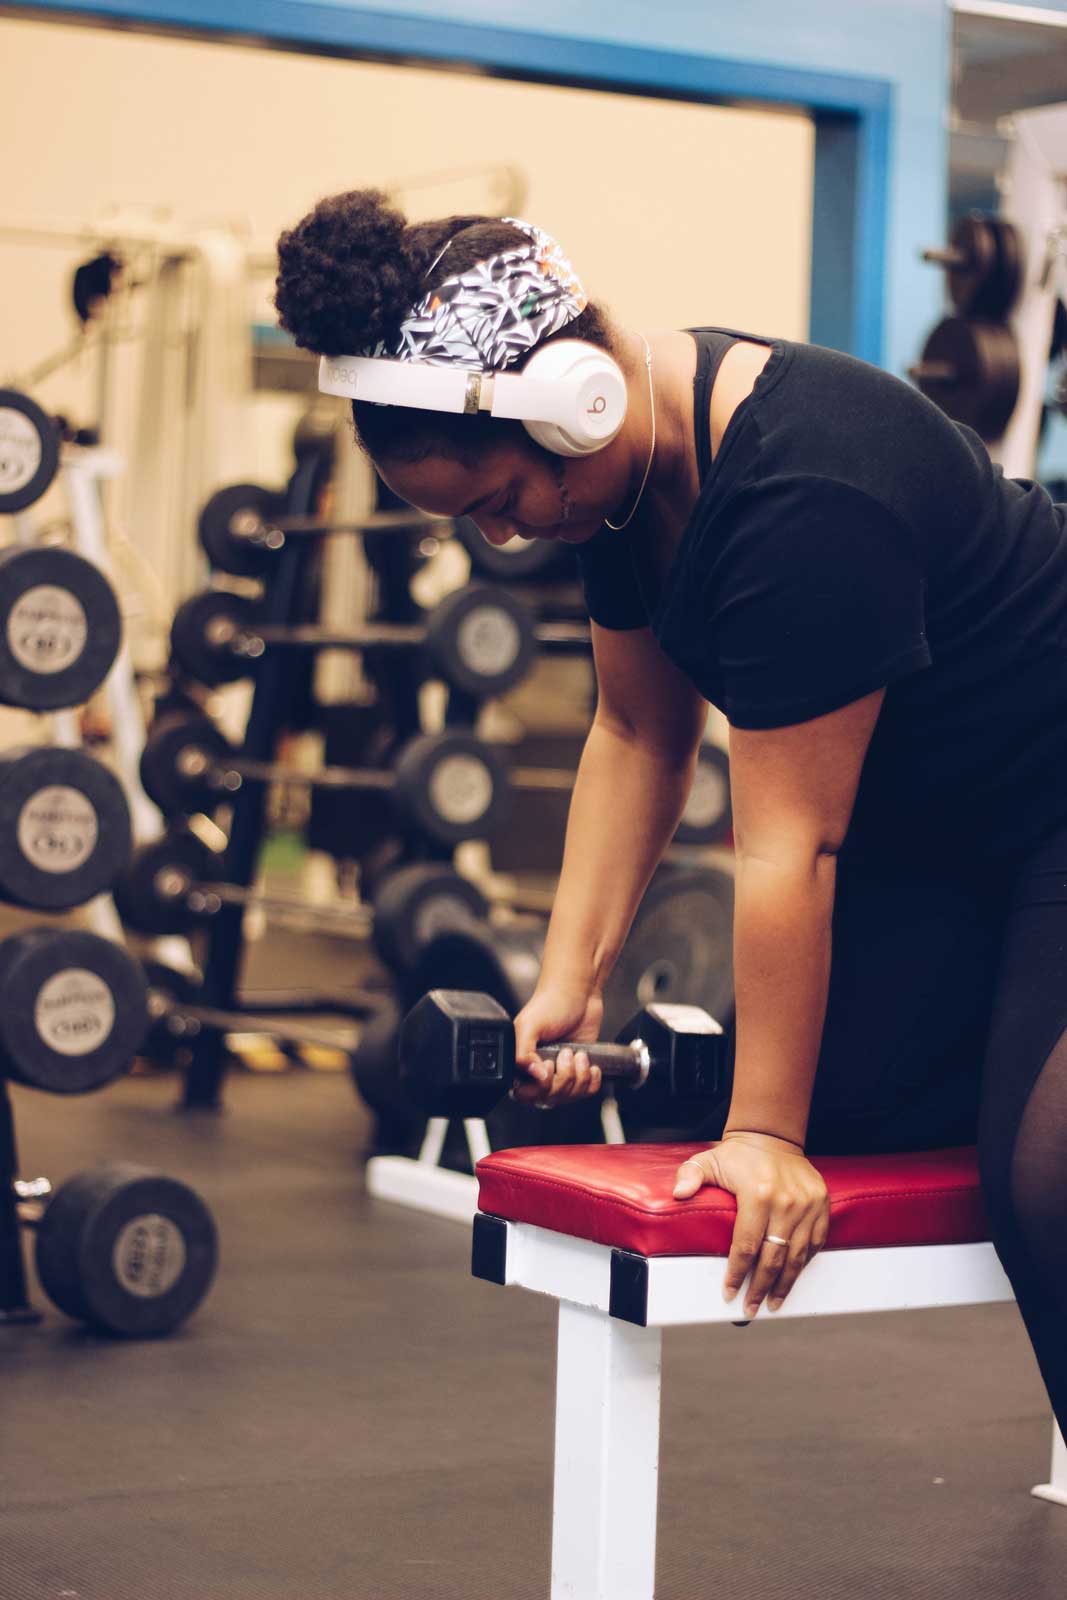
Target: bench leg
607, 1458
1056, 1488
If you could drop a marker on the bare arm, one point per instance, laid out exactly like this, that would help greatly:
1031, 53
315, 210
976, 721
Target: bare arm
793, 793
632, 785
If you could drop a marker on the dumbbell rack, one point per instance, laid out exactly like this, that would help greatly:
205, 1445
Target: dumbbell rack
269, 710
14, 1301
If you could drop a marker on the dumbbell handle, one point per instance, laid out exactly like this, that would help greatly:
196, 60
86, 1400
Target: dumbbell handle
229, 772
28, 1189
947, 257
34, 1193
626, 1063
207, 899
566, 638
557, 636
379, 635
188, 1020
934, 372
256, 528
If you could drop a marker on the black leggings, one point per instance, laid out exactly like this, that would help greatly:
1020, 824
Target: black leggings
946, 1024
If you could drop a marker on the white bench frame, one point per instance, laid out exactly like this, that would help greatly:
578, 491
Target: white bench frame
613, 1308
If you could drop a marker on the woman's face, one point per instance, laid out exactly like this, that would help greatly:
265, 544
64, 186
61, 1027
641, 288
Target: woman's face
516, 488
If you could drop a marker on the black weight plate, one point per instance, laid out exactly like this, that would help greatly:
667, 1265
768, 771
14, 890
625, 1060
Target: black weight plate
984, 388
707, 816
209, 660
64, 827
416, 902
59, 628
1011, 271
141, 890
168, 987
375, 1065
481, 640
172, 741
73, 1010
518, 561
502, 962
29, 451
988, 285
134, 1251
225, 521
398, 1124
56, 1247
679, 949
452, 785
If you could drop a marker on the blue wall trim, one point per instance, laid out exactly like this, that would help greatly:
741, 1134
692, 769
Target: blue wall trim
854, 183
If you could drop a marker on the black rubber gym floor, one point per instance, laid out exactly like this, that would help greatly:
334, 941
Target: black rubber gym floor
350, 1416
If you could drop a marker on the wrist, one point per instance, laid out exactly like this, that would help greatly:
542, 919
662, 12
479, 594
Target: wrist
561, 970
760, 1133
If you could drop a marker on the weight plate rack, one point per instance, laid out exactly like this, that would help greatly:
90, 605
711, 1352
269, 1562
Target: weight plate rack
224, 940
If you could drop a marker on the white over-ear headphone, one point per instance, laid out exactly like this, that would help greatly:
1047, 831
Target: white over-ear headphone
570, 396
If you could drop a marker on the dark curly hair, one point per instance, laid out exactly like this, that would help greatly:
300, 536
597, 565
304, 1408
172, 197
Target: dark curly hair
348, 274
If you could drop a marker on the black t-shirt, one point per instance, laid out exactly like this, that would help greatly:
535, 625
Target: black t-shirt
849, 536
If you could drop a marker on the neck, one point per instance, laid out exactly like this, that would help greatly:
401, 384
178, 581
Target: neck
673, 393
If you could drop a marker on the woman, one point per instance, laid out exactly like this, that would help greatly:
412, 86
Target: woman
808, 543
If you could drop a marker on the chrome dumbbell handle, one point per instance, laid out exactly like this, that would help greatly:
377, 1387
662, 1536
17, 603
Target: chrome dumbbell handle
626, 1063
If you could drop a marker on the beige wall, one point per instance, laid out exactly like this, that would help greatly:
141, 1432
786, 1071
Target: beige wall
673, 213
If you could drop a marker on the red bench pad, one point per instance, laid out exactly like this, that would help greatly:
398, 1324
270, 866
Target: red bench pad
620, 1195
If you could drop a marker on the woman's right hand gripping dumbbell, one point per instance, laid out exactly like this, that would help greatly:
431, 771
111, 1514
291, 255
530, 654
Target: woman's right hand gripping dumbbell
555, 1012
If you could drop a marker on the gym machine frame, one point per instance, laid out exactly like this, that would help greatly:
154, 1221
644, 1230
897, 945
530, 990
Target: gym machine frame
224, 945
15, 1306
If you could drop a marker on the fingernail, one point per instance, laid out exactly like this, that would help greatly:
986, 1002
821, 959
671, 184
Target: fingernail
774, 1304
751, 1310
728, 1292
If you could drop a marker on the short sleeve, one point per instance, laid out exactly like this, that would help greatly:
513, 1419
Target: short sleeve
817, 599
612, 594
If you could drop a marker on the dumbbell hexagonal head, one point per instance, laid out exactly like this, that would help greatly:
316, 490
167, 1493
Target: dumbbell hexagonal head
457, 1053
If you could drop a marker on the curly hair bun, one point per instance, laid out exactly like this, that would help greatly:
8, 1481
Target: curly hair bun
348, 273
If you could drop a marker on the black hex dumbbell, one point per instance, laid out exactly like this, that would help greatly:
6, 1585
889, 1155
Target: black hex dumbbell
457, 1053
